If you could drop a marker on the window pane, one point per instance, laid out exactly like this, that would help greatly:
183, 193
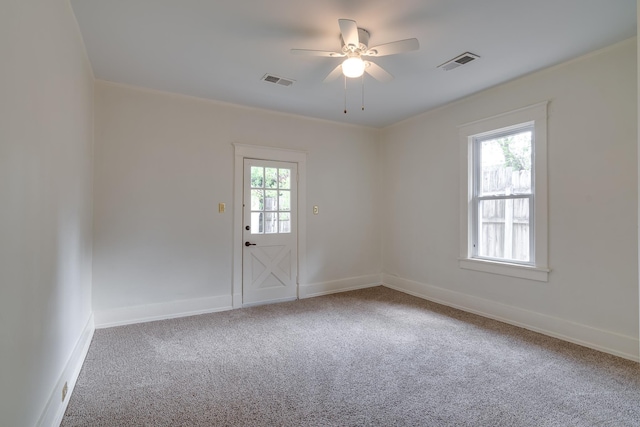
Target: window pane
271, 200
503, 229
285, 178
285, 200
271, 177
257, 178
491, 228
505, 165
285, 222
257, 200
270, 222
256, 223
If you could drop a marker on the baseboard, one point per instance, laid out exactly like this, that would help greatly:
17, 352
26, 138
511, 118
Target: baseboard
161, 311
587, 336
273, 301
342, 285
54, 411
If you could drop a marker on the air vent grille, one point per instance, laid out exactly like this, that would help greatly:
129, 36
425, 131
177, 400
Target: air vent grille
270, 78
458, 61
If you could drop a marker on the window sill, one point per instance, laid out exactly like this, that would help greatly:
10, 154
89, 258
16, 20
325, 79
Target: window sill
506, 269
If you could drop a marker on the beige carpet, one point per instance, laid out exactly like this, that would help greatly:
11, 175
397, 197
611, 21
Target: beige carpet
374, 357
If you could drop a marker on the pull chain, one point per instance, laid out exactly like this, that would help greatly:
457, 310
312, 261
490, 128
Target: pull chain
363, 92
345, 94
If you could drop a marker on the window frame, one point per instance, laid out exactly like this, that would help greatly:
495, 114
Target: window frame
476, 198
534, 116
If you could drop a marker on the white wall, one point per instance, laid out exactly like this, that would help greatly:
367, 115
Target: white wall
163, 163
592, 293
46, 137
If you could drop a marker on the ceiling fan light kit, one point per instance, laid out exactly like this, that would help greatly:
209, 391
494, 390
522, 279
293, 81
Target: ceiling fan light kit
353, 67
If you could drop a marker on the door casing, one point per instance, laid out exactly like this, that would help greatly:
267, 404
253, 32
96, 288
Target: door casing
242, 151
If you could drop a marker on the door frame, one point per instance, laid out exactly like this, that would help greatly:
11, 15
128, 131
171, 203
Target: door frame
245, 151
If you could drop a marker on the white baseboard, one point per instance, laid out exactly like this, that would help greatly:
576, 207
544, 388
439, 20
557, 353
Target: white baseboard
587, 336
342, 285
54, 411
161, 311
273, 301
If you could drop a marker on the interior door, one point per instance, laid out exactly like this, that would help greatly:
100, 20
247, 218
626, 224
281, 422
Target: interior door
269, 251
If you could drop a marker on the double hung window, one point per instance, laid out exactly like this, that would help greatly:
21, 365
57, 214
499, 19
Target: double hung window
503, 216
503, 196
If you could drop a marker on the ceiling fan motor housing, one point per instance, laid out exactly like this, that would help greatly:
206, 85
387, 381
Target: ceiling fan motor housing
363, 39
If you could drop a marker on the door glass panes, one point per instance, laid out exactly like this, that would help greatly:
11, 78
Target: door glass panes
284, 179
285, 223
285, 200
505, 165
270, 222
257, 177
257, 200
257, 223
271, 177
270, 200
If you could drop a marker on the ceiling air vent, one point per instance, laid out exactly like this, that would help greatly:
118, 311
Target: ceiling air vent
465, 58
277, 80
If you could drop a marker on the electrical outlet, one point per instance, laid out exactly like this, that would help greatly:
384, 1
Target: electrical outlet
65, 388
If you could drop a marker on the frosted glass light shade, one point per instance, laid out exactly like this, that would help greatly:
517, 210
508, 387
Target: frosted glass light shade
353, 67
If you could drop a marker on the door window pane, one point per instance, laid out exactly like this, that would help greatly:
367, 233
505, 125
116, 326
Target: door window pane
257, 177
257, 200
285, 200
271, 177
256, 223
270, 222
285, 178
271, 200
285, 222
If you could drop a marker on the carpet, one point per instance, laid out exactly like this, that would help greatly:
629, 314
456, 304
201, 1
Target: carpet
372, 357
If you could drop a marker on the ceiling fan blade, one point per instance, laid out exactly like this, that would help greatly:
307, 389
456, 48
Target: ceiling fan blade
337, 72
394, 47
349, 30
309, 52
377, 72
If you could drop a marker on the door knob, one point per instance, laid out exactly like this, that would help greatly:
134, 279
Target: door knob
249, 244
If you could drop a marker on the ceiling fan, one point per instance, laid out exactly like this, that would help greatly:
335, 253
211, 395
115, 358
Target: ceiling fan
355, 48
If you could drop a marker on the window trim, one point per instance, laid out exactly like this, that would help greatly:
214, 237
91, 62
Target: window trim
537, 116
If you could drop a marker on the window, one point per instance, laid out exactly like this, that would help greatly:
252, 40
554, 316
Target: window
503, 194
503, 197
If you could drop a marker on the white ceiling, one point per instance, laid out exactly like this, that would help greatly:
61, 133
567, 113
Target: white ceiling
220, 49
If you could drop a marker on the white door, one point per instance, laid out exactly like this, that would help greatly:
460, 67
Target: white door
269, 250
